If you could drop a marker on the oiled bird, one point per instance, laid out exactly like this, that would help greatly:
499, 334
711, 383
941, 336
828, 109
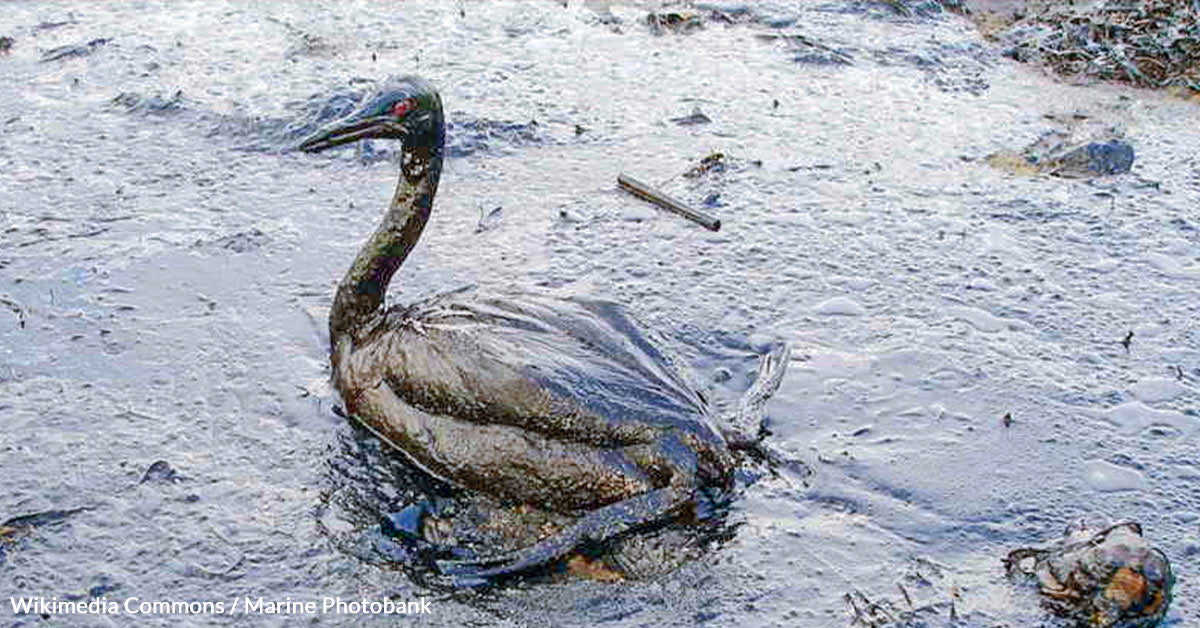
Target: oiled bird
563, 404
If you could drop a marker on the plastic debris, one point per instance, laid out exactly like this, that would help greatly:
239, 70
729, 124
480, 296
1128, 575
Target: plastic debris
1111, 578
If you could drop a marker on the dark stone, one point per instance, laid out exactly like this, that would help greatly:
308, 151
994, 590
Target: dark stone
1114, 157
160, 473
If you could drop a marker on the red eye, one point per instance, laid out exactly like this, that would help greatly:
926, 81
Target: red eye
403, 107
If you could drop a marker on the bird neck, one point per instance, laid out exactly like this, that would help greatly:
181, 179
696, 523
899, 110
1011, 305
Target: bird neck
360, 295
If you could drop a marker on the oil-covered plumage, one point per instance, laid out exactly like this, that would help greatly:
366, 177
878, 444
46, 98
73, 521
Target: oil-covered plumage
556, 402
565, 404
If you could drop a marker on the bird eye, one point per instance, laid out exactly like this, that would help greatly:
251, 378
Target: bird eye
403, 107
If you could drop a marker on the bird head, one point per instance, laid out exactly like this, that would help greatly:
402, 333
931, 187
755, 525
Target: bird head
406, 108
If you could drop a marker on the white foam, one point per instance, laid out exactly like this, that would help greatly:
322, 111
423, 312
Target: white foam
840, 306
1105, 476
1157, 389
996, 242
1103, 266
1136, 416
983, 320
1171, 266
851, 283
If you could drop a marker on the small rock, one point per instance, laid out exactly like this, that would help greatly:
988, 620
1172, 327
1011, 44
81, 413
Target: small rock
1093, 159
160, 473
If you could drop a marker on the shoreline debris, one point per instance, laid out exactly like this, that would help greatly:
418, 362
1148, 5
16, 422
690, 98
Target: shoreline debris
20, 526
714, 162
933, 598
75, 50
1111, 578
1153, 43
645, 192
660, 23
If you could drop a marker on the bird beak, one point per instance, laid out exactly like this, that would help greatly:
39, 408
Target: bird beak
349, 129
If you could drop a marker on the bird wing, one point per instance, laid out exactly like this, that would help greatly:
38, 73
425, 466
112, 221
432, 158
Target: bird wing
575, 369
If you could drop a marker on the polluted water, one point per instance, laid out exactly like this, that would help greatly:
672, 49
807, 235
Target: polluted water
979, 355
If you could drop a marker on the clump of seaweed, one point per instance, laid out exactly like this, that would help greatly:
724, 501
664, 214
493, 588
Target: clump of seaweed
1149, 43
